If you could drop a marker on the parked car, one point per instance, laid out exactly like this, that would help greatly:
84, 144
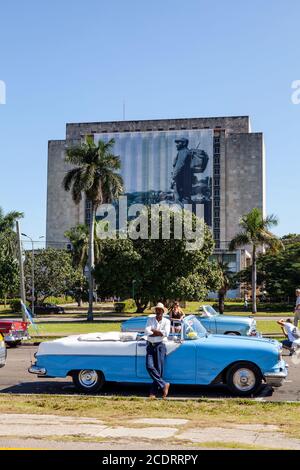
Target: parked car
193, 357
2, 351
48, 309
14, 331
210, 319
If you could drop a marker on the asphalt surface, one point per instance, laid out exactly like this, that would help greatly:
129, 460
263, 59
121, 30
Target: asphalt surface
15, 378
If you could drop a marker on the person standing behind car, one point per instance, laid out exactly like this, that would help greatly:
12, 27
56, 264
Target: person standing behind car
297, 308
157, 331
176, 316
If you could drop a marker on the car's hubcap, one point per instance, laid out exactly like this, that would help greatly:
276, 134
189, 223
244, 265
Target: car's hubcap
244, 379
88, 378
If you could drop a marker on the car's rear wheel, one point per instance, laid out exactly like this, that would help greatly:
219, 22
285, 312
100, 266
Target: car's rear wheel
244, 379
232, 333
88, 380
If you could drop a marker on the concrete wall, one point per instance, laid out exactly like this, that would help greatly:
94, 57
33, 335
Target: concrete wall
232, 124
62, 213
244, 182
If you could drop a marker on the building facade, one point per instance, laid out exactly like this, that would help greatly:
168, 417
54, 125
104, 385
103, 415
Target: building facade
216, 162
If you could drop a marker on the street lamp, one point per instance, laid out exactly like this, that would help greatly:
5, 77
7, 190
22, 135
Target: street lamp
133, 285
32, 271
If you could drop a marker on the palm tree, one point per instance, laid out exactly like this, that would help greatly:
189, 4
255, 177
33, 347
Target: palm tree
227, 283
79, 238
95, 175
8, 239
257, 234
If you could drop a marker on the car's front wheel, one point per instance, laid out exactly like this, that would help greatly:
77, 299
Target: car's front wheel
88, 380
244, 379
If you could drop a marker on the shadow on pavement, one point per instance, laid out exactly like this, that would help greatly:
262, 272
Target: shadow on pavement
64, 387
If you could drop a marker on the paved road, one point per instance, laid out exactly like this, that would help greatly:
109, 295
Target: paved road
14, 378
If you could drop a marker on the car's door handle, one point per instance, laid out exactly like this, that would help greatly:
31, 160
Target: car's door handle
140, 345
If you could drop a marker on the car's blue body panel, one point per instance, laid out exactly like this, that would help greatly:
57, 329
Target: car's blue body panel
199, 359
216, 324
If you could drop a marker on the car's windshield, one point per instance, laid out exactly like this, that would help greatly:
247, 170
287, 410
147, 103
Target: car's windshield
192, 328
208, 311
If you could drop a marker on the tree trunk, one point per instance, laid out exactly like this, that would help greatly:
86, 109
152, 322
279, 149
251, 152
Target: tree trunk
254, 280
90, 315
221, 294
140, 305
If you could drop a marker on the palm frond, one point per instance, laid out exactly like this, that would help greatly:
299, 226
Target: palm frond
76, 155
96, 173
8, 221
241, 239
69, 178
270, 221
112, 161
77, 188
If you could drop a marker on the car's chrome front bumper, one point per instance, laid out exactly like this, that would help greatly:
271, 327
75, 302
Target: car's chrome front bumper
37, 370
276, 379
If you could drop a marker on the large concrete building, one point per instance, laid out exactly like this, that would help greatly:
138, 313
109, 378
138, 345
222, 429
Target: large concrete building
226, 161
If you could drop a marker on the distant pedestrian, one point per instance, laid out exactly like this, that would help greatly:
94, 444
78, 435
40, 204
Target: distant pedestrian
292, 334
157, 331
246, 302
297, 308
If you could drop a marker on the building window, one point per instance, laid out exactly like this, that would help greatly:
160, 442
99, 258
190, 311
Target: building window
216, 186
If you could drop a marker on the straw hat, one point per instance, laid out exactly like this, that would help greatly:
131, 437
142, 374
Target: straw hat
159, 305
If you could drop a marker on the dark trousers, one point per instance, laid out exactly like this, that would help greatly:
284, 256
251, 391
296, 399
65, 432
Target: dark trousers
155, 358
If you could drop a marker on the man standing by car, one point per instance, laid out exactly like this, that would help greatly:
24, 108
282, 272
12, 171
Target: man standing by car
157, 330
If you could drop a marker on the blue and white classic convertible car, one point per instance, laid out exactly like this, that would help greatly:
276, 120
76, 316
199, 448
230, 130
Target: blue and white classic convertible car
210, 319
193, 357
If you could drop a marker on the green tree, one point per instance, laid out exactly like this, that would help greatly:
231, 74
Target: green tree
94, 175
8, 238
117, 267
9, 270
79, 239
278, 273
163, 269
9, 276
255, 232
54, 273
227, 282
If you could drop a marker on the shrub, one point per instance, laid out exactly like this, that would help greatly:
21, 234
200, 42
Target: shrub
59, 300
125, 306
15, 305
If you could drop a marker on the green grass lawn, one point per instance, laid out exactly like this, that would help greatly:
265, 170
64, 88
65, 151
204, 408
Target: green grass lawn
268, 326
231, 308
69, 328
200, 413
60, 327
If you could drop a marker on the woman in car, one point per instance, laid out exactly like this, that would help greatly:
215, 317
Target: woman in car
176, 316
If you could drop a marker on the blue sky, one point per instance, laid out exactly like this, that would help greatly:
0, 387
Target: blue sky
73, 61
